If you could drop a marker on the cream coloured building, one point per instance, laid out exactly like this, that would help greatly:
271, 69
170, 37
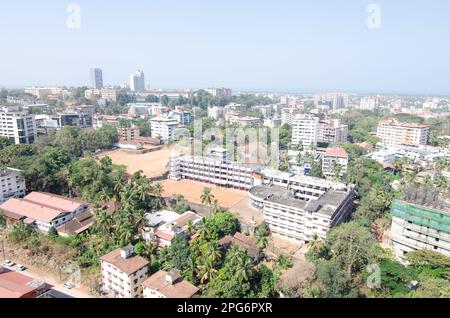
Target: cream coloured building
123, 273
395, 133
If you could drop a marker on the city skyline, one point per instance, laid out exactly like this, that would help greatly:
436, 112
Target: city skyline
289, 46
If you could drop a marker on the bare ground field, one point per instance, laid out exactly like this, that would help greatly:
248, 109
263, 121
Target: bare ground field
192, 190
154, 164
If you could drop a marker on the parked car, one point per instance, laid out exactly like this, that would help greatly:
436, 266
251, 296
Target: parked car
8, 263
68, 285
20, 267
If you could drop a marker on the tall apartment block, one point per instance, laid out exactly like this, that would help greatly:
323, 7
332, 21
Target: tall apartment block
18, 127
395, 133
420, 220
331, 131
305, 130
137, 81
96, 75
164, 128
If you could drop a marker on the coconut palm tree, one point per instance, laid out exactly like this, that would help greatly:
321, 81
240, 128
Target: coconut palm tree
314, 244
213, 252
215, 207
244, 269
206, 271
207, 197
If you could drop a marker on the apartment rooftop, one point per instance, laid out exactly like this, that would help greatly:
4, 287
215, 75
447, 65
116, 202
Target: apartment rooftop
396, 123
170, 285
8, 171
425, 197
337, 152
129, 264
326, 204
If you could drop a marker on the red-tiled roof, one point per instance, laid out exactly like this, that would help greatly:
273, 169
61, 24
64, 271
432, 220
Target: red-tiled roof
15, 285
179, 289
337, 152
129, 265
39, 206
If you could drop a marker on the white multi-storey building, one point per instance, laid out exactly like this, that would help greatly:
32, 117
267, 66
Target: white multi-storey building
289, 216
368, 103
305, 130
217, 171
331, 131
333, 158
220, 92
17, 126
335, 101
394, 133
12, 184
164, 128
123, 273
215, 112
288, 115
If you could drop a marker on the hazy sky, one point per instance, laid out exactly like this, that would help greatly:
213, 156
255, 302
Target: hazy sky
248, 44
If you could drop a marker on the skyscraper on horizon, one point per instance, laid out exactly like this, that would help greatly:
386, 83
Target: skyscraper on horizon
137, 81
96, 75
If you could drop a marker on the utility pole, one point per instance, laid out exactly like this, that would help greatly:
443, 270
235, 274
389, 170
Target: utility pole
3, 249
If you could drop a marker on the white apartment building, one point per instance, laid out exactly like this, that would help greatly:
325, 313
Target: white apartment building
17, 126
12, 184
334, 157
288, 115
215, 112
331, 131
304, 187
420, 221
305, 130
123, 273
394, 133
368, 103
216, 171
334, 101
141, 109
42, 211
301, 220
220, 92
164, 128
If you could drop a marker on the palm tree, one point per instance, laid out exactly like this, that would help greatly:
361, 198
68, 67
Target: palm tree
336, 168
244, 269
213, 252
125, 232
104, 195
441, 164
215, 207
207, 197
314, 244
233, 254
440, 181
158, 189
206, 271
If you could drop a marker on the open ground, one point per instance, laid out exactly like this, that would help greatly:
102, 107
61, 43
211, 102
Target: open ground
154, 164
232, 199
